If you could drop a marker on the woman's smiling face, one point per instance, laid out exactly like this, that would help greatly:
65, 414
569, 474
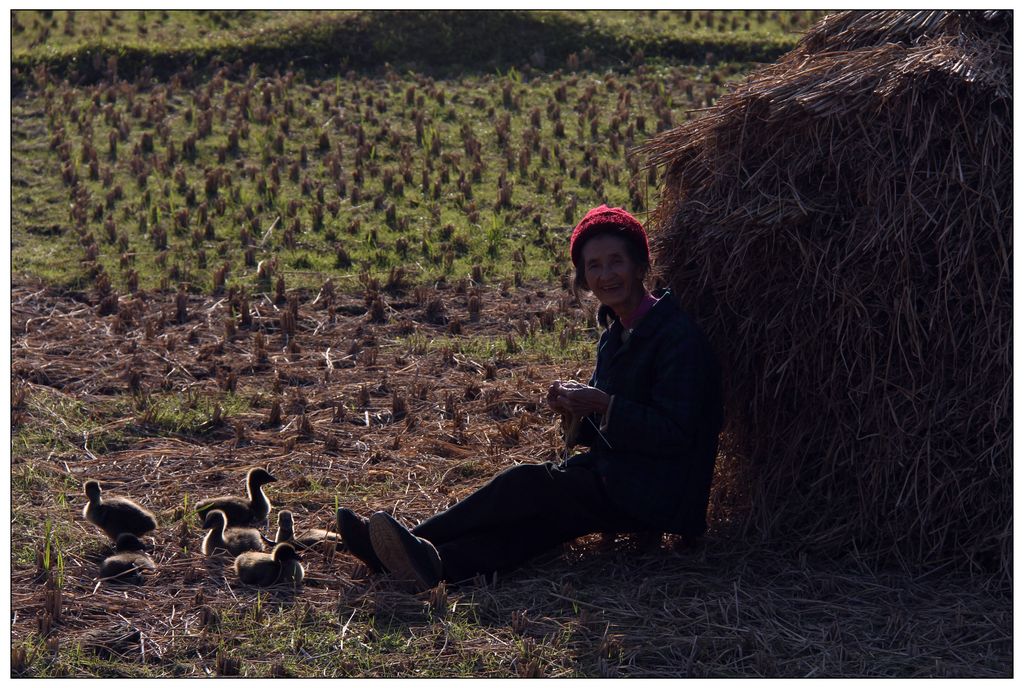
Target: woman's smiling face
613, 277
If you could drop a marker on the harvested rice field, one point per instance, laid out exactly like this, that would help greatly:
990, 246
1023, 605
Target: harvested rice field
305, 242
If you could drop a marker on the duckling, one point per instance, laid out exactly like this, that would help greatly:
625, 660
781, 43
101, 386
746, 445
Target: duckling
280, 566
309, 539
128, 564
285, 527
234, 540
243, 511
116, 515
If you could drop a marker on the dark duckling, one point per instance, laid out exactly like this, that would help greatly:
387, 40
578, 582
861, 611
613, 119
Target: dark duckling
232, 540
128, 564
116, 515
309, 539
243, 511
280, 566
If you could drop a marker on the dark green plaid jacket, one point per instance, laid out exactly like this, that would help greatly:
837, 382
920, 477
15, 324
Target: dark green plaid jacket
657, 454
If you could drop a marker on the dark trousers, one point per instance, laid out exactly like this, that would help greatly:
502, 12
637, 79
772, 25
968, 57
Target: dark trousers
520, 513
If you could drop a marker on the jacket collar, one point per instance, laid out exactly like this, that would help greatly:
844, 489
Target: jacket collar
652, 320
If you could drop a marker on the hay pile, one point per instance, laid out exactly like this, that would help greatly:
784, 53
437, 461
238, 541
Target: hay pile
840, 223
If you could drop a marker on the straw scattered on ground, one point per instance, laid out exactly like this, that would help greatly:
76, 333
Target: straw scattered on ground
598, 607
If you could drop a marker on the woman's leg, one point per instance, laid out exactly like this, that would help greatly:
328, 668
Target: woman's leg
516, 494
505, 548
520, 513
522, 492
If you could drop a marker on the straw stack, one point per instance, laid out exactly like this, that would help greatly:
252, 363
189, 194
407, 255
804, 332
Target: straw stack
841, 223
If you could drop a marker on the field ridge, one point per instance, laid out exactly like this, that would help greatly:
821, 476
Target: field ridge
439, 39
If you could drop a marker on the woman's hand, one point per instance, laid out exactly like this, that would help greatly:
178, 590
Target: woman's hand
569, 396
554, 397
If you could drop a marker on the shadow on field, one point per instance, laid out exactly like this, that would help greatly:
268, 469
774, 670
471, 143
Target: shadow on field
450, 41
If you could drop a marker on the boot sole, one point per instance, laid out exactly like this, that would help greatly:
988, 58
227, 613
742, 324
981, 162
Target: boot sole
392, 545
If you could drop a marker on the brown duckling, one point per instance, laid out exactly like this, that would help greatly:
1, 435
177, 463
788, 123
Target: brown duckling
280, 566
233, 540
116, 515
243, 511
130, 561
309, 539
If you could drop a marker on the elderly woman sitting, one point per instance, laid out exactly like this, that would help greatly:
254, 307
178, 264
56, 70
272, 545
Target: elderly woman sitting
650, 415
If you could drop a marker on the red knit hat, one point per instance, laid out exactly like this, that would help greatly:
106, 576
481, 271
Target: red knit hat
603, 216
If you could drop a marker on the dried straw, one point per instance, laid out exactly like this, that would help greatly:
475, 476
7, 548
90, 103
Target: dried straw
840, 223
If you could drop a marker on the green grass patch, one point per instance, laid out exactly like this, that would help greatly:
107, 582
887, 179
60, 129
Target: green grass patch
61, 423
192, 413
564, 344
